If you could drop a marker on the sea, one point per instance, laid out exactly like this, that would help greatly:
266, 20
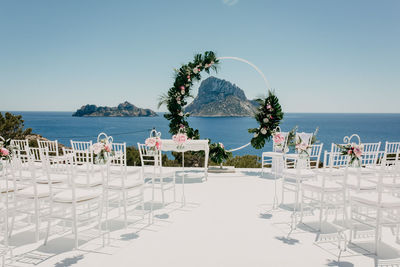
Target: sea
231, 131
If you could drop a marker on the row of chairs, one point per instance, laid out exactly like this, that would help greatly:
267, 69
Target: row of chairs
41, 184
367, 195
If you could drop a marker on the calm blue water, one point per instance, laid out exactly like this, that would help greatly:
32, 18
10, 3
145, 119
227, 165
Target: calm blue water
230, 131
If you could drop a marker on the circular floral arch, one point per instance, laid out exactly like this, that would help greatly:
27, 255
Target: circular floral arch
268, 115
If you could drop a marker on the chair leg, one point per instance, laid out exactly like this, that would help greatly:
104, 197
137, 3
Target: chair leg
321, 211
36, 220
75, 227
125, 209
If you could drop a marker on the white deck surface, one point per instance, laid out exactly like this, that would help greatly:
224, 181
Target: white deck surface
225, 222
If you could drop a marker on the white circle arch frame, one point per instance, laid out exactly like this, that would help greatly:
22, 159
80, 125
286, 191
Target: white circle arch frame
259, 72
250, 64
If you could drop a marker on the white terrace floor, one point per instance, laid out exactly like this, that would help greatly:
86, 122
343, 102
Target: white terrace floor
225, 222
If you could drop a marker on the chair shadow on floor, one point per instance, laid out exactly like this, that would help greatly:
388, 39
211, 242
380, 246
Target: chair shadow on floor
287, 240
69, 261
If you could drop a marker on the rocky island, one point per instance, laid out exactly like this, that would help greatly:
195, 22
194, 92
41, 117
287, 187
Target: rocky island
220, 98
125, 109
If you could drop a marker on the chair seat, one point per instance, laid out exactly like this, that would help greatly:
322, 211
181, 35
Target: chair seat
317, 186
29, 192
54, 178
157, 175
129, 183
81, 194
83, 181
387, 201
3, 186
273, 154
301, 172
352, 183
330, 171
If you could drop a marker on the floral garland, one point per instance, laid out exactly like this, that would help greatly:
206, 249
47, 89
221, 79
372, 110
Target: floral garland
269, 116
177, 96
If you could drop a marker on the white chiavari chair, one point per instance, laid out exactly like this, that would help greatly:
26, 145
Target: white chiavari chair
128, 186
80, 206
154, 173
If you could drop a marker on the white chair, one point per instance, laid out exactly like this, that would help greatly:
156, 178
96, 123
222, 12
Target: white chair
78, 205
154, 173
303, 158
391, 153
274, 159
21, 148
86, 171
375, 209
315, 155
52, 148
30, 197
324, 192
370, 154
128, 185
5, 209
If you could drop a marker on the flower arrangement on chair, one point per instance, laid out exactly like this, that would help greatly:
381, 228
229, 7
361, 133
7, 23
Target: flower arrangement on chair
354, 151
302, 148
154, 141
6, 150
103, 149
279, 142
218, 153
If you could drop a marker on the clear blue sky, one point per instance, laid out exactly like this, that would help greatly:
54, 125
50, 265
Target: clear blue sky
320, 55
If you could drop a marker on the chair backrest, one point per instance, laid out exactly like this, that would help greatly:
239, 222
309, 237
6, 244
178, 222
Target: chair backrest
315, 155
370, 154
149, 156
119, 158
52, 146
304, 137
36, 153
334, 158
22, 147
391, 154
83, 153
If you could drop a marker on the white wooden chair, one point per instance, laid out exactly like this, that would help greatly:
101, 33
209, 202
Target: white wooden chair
84, 205
52, 148
391, 153
375, 209
5, 210
370, 154
128, 185
87, 174
154, 173
22, 149
30, 198
323, 192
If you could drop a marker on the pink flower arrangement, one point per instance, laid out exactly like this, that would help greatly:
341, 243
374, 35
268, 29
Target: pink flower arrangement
180, 138
4, 152
278, 138
354, 151
221, 145
102, 150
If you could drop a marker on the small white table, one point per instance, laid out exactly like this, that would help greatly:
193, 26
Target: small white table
190, 145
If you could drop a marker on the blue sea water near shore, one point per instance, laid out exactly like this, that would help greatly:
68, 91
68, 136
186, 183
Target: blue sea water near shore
231, 131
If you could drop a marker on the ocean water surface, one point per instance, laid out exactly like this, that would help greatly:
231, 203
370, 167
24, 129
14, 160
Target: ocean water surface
231, 131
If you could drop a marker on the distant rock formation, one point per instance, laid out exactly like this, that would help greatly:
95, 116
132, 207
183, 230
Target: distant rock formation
125, 109
220, 98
